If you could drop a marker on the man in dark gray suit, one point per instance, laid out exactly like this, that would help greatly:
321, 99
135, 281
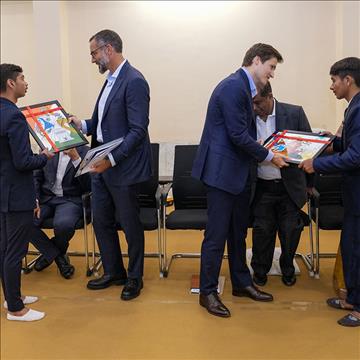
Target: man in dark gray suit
58, 194
280, 193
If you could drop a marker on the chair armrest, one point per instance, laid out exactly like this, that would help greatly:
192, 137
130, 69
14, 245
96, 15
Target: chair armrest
164, 191
315, 198
86, 199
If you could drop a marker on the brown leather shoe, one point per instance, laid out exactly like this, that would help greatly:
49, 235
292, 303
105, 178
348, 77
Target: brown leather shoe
213, 305
253, 292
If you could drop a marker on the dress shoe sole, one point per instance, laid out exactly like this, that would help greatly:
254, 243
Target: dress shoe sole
129, 297
216, 314
110, 283
241, 294
291, 282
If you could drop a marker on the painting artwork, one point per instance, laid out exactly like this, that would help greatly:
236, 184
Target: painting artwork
297, 146
49, 125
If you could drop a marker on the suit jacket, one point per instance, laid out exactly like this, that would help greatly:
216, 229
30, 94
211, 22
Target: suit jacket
347, 160
17, 162
73, 187
228, 144
292, 117
126, 114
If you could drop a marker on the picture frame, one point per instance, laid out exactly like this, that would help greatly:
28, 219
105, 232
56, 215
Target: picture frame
49, 125
297, 146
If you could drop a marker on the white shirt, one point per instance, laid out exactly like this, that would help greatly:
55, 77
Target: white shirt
111, 78
60, 172
266, 170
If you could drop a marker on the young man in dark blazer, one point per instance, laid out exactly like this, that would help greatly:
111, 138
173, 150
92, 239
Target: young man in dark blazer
224, 162
345, 77
122, 110
280, 193
17, 195
58, 193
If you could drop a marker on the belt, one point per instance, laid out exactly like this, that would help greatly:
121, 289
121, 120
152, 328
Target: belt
273, 181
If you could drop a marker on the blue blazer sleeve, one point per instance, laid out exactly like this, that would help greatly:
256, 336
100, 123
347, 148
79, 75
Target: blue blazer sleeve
19, 143
236, 121
350, 158
137, 107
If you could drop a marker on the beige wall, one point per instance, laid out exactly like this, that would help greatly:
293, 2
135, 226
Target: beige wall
184, 49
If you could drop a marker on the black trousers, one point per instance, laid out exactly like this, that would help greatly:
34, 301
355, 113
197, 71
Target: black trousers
65, 214
228, 217
115, 204
16, 229
350, 252
274, 213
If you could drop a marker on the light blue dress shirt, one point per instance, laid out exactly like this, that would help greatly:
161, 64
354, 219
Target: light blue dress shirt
110, 81
253, 91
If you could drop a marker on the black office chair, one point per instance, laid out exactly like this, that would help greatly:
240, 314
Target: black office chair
150, 217
82, 224
190, 204
326, 210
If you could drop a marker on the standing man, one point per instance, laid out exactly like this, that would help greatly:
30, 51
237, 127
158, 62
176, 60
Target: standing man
58, 193
345, 77
224, 163
280, 193
17, 195
122, 110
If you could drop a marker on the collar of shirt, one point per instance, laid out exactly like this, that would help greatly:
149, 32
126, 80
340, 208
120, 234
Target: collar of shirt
253, 89
112, 77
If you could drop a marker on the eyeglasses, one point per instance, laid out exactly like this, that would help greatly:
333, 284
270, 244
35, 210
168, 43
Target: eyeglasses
92, 54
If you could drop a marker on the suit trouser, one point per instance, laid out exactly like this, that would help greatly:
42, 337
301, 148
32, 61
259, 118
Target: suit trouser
228, 217
112, 205
350, 251
16, 230
65, 214
274, 212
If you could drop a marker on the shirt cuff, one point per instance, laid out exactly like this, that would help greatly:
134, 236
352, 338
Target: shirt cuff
269, 156
111, 158
76, 162
83, 127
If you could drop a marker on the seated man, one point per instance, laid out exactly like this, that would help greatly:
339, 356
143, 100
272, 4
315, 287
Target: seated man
280, 193
58, 194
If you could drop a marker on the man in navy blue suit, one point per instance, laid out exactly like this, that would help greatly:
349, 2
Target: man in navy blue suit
17, 195
345, 77
225, 162
122, 110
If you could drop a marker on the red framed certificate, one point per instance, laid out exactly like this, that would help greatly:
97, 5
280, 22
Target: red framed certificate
49, 125
297, 146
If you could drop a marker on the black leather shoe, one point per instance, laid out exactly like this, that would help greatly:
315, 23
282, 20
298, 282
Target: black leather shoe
41, 263
254, 293
65, 268
131, 289
105, 281
213, 305
289, 280
260, 280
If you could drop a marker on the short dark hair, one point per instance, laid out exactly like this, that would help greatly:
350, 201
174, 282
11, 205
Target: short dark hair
8, 71
348, 66
266, 90
264, 51
109, 37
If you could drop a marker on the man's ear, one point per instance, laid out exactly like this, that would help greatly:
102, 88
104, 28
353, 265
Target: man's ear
349, 80
10, 83
256, 60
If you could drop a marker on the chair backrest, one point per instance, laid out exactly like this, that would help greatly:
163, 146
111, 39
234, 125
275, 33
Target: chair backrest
188, 192
331, 211
148, 188
329, 188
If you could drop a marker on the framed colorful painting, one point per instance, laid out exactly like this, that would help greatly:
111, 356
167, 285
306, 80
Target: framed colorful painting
297, 146
49, 125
